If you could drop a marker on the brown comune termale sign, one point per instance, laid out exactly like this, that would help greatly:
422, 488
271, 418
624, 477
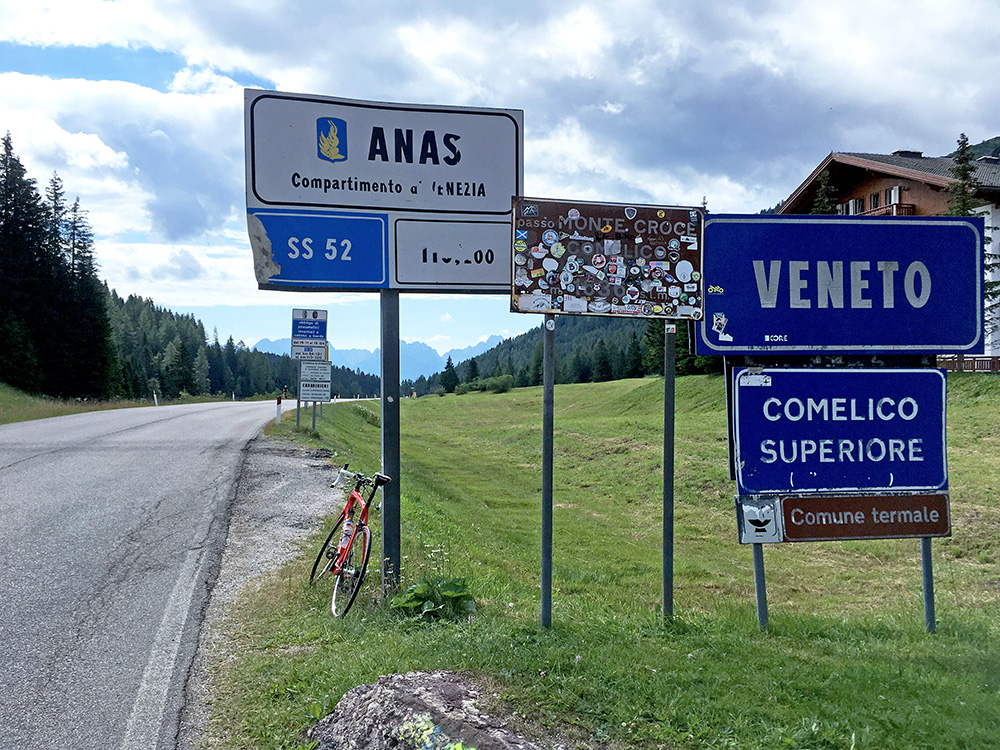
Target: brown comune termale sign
821, 518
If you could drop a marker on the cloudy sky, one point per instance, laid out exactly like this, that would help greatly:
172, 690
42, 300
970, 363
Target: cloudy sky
138, 105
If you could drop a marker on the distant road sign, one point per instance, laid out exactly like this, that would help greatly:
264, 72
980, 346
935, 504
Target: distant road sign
308, 325
314, 391
353, 195
835, 430
316, 371
804, 284
313, 353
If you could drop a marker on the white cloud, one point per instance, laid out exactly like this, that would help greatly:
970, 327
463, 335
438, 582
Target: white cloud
446, 318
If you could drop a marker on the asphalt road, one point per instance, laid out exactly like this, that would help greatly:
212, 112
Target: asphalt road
111, 528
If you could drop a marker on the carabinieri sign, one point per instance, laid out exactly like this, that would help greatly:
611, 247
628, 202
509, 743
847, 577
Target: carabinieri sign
805, 285
836, 430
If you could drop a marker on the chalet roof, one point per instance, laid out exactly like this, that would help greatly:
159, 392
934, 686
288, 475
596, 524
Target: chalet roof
987, 172
911, 165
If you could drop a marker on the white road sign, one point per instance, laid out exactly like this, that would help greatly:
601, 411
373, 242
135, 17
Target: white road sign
314, 391
316, 371
312, 353
345, 194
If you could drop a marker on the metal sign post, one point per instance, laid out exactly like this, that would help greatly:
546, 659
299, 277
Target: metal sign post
669, 362
391, 514
548, 399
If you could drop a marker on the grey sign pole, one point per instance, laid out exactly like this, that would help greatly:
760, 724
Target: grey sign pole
759, 585
928, 579
548, 390
298, 396
669, 358
391, 555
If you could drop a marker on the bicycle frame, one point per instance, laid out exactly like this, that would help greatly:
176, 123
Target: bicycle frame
353, 500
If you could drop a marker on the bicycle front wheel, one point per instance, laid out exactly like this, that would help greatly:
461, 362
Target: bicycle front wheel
327, 553
352, 573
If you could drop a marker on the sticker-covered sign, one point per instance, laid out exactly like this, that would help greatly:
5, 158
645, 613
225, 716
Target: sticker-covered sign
585, 258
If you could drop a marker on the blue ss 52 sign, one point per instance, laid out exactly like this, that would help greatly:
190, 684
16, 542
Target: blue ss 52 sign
836, 430
805, 285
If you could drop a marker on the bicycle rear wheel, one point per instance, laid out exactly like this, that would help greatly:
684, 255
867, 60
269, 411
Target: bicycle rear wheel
352, 573
327, 553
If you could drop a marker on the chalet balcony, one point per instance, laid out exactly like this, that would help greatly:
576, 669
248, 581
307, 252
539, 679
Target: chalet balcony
893, 209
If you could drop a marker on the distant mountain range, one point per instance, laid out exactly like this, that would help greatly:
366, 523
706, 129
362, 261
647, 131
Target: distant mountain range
415, 359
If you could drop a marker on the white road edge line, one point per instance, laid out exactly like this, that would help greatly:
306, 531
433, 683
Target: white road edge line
144, 723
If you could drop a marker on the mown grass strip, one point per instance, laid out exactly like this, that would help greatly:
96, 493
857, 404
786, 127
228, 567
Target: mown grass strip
845, 663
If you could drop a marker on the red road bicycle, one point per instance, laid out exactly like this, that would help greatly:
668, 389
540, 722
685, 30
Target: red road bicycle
344, 554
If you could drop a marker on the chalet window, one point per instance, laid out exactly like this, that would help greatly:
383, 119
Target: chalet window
892, 195
873, 201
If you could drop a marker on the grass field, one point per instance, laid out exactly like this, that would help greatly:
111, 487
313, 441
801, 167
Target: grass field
17, 406
845, 662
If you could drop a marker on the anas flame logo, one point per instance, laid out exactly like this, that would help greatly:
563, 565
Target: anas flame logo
331, 139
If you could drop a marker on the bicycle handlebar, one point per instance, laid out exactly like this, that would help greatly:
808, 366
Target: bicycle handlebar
377, 480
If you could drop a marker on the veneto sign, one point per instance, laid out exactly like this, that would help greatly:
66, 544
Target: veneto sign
835, 430
351, 195
843, 285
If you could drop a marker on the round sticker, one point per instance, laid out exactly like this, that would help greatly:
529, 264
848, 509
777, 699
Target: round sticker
573, 214
519, 259
661, 213
674, 244
550, 264
550, 236
684, 270
695, 275
598, 260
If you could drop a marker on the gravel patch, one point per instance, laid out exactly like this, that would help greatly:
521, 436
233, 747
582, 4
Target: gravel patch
283, 491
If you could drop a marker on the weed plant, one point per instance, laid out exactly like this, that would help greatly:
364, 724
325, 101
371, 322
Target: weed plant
845, 662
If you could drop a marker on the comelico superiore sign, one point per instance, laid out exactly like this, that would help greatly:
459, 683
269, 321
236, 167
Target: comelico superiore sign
810, 284
352, 195
837, 430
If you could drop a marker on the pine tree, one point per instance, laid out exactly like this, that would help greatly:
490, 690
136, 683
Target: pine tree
826, 200
473, 371
963, 202
27, 275
964, 188
633, 359
603, 370
652, 357
449, 378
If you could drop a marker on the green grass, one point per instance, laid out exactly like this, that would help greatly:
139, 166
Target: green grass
845, 663
18, 406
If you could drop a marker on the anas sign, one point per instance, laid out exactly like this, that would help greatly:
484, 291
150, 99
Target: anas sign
804, 285
348, 195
